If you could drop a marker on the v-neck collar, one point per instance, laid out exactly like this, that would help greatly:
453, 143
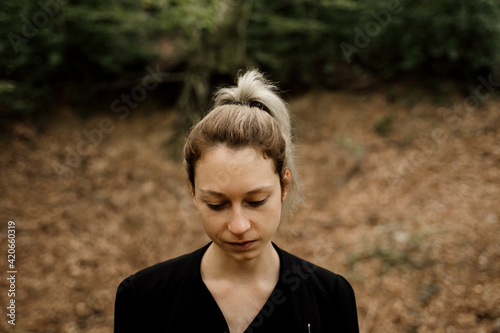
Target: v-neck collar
204, 288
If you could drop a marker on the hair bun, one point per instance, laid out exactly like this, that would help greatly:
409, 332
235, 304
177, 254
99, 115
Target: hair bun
254, 90
253, 104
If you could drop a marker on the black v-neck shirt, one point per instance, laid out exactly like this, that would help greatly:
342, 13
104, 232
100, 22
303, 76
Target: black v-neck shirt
172, 297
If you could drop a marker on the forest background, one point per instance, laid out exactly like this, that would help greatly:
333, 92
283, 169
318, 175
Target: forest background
396, 113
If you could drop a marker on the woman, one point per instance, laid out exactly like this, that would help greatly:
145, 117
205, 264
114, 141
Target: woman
239, 161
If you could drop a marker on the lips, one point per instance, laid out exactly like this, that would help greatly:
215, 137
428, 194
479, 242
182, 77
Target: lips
241, 245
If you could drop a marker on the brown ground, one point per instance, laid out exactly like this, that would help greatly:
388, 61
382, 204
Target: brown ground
412, 219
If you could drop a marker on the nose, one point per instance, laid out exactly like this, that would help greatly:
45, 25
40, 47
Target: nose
238, 223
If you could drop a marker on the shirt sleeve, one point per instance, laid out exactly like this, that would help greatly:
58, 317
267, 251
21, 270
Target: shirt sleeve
125, 303
347, 306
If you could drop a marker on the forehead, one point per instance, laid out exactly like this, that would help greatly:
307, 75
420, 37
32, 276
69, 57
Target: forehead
227, 170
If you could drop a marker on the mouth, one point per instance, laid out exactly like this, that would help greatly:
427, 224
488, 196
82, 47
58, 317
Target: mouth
241, 245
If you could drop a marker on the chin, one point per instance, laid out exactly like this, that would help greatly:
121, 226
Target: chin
245, 257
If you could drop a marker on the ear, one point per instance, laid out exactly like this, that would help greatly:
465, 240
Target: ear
193, 193
286, 179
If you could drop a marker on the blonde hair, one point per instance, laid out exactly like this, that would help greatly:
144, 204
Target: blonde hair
250, 114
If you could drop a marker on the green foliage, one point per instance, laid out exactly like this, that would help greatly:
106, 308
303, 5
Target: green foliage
348, 143
69, 50
50, 42
383, 126
450, 37
300, 40
82, 47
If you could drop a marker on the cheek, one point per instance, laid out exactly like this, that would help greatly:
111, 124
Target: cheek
272, 213
211, 220
211, 228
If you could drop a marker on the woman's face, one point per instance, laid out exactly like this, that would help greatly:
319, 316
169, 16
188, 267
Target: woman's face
238, 195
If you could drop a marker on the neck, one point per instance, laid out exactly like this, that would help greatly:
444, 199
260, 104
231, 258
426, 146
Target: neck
218, 265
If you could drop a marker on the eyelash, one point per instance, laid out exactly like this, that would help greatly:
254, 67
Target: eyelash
251, 203
214, 207
257, 203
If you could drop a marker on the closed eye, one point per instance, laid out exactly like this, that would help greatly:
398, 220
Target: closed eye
257, 203
222, 206
215, 206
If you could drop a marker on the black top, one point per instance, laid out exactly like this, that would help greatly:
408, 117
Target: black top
172, 297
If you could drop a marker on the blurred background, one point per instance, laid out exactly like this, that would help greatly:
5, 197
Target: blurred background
396, 116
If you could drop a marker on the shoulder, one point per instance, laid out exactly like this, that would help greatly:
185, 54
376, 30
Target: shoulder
153, 291
166, 274
298, 270
325, 298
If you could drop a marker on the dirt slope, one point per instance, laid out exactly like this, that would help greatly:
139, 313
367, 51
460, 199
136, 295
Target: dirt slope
411, 218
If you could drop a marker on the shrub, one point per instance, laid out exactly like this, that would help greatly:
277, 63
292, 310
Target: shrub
300, 40
82, 44
71, 50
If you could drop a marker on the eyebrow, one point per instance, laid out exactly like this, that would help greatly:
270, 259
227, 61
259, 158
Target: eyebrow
257, 190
